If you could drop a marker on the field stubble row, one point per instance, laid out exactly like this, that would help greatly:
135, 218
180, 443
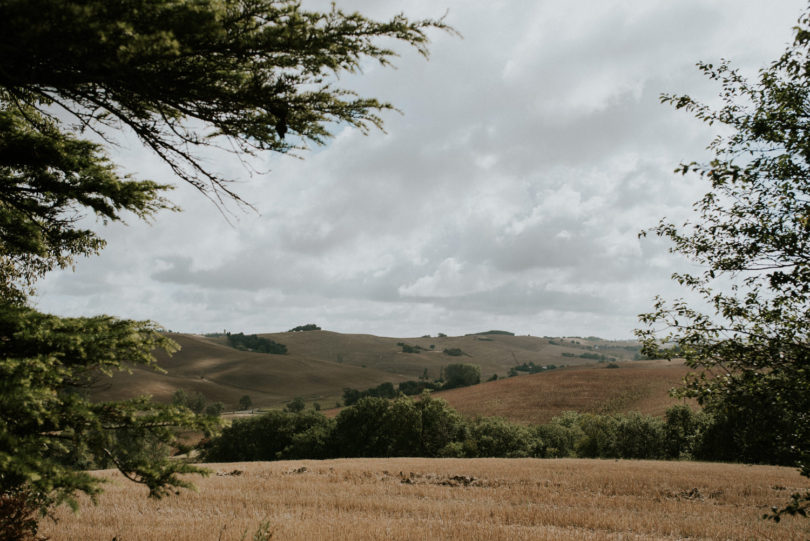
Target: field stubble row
470, 499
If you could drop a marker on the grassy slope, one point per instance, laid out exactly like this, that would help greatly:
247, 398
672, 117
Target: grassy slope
635, 386
321, 363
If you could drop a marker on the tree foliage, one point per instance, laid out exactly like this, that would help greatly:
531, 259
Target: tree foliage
252, 342
49, 179
257, 73
50, 430
183, 76
245, 403
304, 328
461, 375
428, 427
751, 235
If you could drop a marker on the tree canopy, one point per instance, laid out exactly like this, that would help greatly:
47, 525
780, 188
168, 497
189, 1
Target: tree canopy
751, 235
183, 76
258, 73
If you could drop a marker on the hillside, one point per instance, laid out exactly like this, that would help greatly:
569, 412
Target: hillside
319, 364
533, 399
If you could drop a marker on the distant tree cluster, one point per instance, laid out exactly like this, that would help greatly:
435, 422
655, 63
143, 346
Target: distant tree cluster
532, 368
461, 375
428, 427
251, 342
453, 352
412, 388
196, 402
245, 403
307, 327
296, 405
407, 348
383, 390
453, 375
504, 333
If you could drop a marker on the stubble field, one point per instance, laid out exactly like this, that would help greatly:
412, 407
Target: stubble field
460, 499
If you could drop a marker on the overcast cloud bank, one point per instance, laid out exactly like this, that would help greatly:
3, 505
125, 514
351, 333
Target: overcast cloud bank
508, 195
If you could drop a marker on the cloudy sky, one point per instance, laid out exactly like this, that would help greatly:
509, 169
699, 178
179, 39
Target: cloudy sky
508, 195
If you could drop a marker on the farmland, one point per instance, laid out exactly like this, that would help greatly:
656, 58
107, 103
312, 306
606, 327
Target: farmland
485, 499
320, 364
641, 386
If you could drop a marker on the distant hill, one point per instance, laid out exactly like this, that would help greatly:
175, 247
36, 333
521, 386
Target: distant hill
533, 399
319, 364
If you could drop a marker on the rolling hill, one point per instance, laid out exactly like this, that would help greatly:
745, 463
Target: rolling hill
320, 364
534, 399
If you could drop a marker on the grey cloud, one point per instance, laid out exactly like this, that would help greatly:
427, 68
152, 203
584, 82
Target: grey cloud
509, 193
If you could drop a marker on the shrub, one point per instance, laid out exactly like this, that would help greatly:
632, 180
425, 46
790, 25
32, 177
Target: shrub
295, 405
307, 327
441, 425
412, 388
495, 437
361, 430
251, 342
276, 435
245, 403
599, 439
640, 436
461, 375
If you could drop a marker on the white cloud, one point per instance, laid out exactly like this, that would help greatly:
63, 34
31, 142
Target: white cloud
508, 195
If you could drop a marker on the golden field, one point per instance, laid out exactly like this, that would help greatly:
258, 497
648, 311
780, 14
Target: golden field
459, 499
641, 386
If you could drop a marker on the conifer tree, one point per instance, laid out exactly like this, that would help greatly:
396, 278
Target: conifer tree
183, 76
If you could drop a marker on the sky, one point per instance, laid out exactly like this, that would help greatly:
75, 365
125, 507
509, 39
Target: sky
509, 193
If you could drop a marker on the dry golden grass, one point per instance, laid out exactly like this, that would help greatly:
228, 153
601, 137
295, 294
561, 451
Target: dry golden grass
636, 386
474, 499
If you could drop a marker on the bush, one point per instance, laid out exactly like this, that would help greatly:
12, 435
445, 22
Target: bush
495, 437
560, 436
680, 431
251, 342
441, 426
296, 405
383, 390
412, 388
461, 375
362, 430
214, 409
599, 439
375, 427
276, 435
307, 327
245, 403
453, 352
640, 436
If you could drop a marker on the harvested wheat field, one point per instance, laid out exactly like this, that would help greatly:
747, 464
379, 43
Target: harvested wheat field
484, 499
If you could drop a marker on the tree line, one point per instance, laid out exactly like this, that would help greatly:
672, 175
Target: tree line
252, 342
429, 427
452, 376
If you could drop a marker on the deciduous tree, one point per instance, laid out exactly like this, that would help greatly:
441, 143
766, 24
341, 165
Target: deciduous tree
751, 235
